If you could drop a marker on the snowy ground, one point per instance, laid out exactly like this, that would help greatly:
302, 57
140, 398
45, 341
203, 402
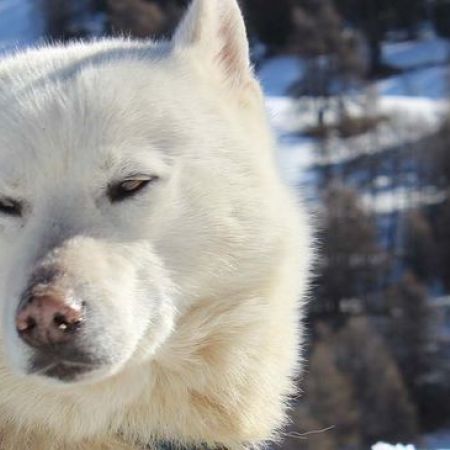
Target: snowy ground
427, 74
384, 446
438, 441
414, 102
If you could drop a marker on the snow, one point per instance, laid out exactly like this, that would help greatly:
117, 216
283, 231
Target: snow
294, 157
411, 118
440, 441
383, 446
401, 199
431, 82
411, 54
427, 76
414, 102
426, 65
299, 156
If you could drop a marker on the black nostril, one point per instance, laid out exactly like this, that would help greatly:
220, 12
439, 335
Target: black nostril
63, 324
59, 319
28, 326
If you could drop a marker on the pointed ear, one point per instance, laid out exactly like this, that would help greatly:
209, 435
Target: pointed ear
215, 30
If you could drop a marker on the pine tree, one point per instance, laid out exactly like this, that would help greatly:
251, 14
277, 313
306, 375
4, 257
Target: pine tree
330, 53
420, 247
410, 333
63, 19
270, 22
330, 399
443, 237
144, 18
439, 151
386, 411
374, 17
351, 263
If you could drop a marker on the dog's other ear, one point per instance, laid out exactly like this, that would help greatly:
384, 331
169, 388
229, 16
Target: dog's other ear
215, 30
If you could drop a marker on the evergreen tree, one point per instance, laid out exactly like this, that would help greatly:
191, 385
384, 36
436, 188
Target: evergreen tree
270, 22
64, 20
440, 12
330, 54
443, 237
145, 18
439, 151
330, 398
409, 332
351, 262
374, 17
420, 247
386, 411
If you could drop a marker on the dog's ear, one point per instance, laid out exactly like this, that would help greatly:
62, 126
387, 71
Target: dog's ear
215, 30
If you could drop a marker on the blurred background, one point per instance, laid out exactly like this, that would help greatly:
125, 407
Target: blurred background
358, 94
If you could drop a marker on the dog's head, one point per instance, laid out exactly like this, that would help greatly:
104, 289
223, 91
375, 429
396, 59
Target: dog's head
130, 188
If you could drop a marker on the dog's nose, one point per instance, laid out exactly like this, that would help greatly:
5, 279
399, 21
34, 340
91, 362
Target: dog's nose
48, 319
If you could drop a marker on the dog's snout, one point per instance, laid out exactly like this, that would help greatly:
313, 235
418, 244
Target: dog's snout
49, 319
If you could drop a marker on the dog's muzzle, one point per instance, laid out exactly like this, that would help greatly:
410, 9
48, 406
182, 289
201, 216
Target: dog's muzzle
51, 320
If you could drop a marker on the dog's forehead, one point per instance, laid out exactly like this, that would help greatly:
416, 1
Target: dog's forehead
93, 113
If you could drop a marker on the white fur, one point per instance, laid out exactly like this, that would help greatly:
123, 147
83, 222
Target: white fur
196, 283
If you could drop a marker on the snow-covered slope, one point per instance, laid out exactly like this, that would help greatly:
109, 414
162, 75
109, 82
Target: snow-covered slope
415, 103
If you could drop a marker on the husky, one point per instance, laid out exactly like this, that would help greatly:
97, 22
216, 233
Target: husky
153, 263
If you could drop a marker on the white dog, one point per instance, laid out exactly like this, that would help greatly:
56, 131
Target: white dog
152, 260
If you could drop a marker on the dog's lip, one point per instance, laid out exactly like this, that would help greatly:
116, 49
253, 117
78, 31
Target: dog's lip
63, 370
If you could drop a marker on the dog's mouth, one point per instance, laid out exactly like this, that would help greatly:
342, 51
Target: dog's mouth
66, 371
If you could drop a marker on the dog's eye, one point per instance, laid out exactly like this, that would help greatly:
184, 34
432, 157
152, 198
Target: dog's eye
10, 207
129, 187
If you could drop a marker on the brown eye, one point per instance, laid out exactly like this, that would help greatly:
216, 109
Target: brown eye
128, 188
10, 207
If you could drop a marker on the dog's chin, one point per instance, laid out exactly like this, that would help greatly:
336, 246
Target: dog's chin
66, 373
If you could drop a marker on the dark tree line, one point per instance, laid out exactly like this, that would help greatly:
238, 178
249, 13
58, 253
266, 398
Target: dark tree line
144, 18
274, 23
